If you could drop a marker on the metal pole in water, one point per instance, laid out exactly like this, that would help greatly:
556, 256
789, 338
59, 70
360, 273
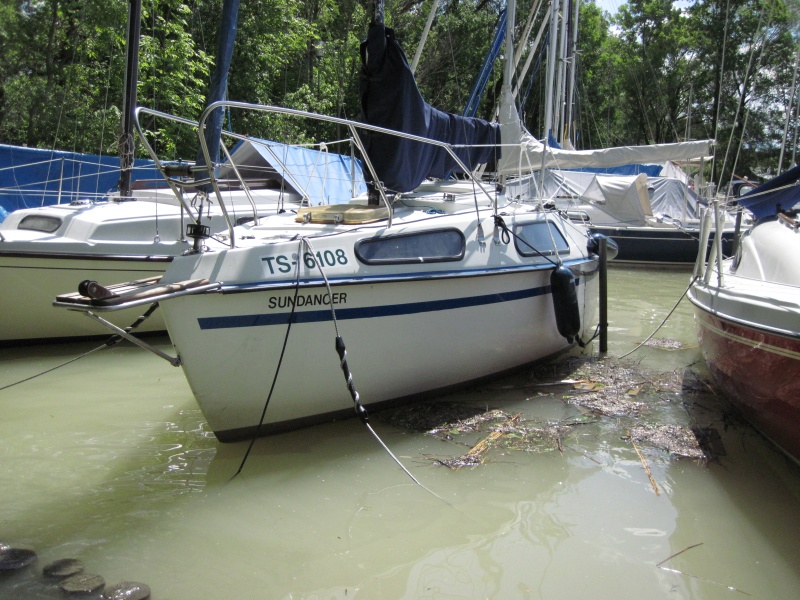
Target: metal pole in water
603, 251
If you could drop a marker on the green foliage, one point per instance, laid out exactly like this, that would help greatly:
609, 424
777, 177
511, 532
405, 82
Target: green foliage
651, 73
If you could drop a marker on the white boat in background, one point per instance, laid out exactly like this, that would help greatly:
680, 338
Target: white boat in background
748, 314
45, 250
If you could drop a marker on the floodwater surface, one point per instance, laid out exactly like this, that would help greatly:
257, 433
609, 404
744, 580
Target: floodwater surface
108, 460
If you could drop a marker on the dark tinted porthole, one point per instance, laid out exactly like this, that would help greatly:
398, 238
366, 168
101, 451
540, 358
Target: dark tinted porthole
43, 223
424, 247
541, 236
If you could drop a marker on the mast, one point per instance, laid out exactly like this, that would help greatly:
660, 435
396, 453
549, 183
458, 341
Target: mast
377, 10
551, 66
789, 110
218, 88
126, 140
560, 64
573, 62
508, 72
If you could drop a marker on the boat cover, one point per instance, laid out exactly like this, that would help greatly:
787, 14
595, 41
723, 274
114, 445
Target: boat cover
528, 154
783, 189
322, 177
626, 198
390, 99
31, 177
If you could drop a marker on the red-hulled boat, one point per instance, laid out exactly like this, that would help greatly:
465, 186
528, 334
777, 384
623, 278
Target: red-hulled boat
748, 314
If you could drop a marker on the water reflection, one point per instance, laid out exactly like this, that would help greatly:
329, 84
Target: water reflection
110, 461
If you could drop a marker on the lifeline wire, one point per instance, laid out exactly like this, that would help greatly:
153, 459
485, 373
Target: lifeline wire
686, 291
114, 339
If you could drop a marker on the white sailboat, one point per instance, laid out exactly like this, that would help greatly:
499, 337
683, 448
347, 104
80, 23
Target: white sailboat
439, 284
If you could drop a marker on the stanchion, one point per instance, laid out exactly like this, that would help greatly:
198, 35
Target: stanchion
603, 253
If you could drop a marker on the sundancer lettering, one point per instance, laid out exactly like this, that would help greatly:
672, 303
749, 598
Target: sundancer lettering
308, 300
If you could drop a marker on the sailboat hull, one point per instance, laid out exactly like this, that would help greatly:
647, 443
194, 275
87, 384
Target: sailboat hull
749, 329
31, 282
403, 339
758, 371
656, 245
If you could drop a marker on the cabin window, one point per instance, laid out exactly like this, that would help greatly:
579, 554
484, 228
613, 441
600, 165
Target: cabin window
540, 238
41, 223
430, 246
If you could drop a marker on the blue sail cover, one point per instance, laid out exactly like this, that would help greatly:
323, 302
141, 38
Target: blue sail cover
390, 98
322, 177
32, 177
784, 189
651, 170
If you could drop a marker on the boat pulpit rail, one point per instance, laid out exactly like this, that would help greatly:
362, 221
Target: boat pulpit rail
177, 178
352, 126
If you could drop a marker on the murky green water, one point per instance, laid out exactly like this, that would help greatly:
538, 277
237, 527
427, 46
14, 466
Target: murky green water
109, 460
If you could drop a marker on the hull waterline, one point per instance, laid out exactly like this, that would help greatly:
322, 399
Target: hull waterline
403, 338
758, 371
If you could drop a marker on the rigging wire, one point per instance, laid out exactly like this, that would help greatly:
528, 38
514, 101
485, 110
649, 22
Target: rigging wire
741, 102
721, 77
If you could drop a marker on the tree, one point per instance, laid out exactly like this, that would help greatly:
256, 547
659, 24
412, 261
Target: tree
745, 49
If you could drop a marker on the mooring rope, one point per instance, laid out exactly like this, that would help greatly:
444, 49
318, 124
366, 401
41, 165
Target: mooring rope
114, 339
277, 371
341, 350
649, 337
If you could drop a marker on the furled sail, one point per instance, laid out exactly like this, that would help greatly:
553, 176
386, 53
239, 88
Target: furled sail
390, 99
528, 154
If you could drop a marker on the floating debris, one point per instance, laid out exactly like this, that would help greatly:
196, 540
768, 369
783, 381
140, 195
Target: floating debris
63, 568
437, 418
127, 590
604, 387
678, 440
82, 583
475, 455
12, 559
665, 344
599, 387
609, 403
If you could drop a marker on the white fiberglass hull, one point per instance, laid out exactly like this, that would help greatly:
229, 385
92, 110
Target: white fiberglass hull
408, 330
49, 250
31, 282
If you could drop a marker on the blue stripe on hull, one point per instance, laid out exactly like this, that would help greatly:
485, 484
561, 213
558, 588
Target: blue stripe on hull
315, 316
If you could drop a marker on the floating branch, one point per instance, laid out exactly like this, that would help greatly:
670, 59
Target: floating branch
646, 467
